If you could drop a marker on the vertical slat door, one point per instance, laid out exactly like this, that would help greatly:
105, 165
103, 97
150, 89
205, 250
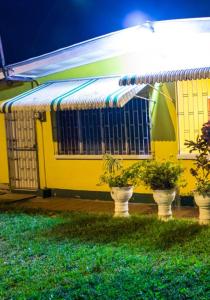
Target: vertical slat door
22, 150
192, 109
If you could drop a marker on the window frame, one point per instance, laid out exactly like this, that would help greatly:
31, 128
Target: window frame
100, 156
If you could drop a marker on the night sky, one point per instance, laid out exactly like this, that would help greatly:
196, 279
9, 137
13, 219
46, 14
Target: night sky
33, 27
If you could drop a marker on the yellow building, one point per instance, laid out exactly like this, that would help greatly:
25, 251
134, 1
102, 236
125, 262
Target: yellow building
52, 137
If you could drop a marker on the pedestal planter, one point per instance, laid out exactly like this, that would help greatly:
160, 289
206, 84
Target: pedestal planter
121, 196
203, 202
164, 199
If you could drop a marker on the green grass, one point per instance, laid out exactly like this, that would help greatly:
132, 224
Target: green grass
86, 256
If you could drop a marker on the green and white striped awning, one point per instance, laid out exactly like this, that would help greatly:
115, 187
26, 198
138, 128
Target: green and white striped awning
165, 76
75, 94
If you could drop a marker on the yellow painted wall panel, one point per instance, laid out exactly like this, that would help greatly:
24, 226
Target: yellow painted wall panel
165, 150
41, 155
187, 164
4, 177
68, 173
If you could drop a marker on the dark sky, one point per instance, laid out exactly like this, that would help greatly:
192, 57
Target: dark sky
33, 27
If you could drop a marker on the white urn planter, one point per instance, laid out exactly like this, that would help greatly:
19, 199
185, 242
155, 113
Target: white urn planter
203, 202
164, 199
121, 196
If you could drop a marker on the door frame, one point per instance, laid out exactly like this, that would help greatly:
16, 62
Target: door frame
8, 127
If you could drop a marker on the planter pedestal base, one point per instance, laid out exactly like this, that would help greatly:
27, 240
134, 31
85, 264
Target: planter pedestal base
121, 196
164, 212
203, 202
121, 209
204, 215
164, 198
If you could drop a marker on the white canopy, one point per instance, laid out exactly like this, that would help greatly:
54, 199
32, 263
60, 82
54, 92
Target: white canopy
75, 94
153, 47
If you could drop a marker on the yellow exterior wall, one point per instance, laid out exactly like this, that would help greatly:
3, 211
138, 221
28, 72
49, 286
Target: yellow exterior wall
83, 174
109, 66
79, 174
74, 174
4, 176
8, 91
68, 173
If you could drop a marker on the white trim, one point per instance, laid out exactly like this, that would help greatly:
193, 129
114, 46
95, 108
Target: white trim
188, 156
100, 157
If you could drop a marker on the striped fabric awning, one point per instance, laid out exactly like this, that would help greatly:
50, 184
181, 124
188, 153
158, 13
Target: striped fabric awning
165, 76
75, 94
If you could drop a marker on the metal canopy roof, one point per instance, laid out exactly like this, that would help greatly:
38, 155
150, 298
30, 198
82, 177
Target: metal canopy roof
166, 76
87, 93
160, 46
89, 51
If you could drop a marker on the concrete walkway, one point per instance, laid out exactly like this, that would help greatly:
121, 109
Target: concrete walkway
7, 197
85, 205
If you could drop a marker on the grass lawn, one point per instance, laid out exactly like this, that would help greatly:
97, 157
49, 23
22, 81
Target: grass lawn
86, 256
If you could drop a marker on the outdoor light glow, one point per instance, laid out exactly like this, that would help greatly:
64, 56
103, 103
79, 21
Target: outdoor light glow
134, 18
146, 48
169, 49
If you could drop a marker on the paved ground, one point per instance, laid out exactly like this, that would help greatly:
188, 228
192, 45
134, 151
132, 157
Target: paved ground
85, 205
13, 198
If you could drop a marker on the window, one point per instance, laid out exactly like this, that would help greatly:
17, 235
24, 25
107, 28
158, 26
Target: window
193, 109
119, 131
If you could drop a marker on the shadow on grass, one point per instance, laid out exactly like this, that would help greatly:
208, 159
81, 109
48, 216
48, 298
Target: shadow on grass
137, 231
178, 235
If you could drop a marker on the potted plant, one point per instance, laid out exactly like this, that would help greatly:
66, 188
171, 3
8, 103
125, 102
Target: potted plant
121, 181
201, 172
163, 178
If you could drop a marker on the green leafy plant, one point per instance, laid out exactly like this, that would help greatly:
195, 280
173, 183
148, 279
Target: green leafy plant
164, 175
114, 175
201, 171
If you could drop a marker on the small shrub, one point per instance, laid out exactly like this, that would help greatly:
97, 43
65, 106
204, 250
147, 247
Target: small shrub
161, 175
114, 175
201, 171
